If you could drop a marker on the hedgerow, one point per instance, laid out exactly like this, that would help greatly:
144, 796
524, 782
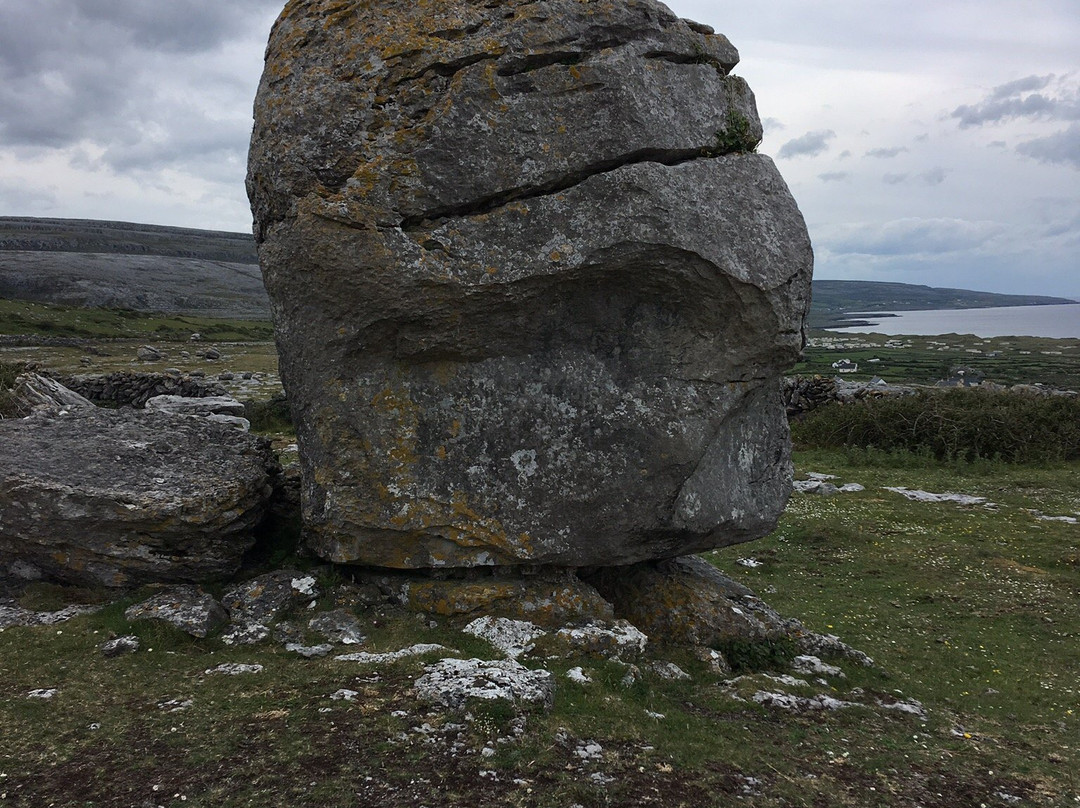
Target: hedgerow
960, 424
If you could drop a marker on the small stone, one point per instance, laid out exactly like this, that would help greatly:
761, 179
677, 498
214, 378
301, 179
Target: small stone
191, 405
512, 637
809, 664
339, 626
578, 675
309, 651
391, 656
305, 586
453, 682
344, 695
787, 701
234, 669
263, 599
617, 639
44, 694
714, 659
245, 634
668, 670
186, 607
119, 646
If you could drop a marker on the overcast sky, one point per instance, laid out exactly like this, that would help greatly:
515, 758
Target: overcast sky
926, 141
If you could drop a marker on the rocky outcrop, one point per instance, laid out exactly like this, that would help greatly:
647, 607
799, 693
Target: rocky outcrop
685, 601
533, 289
119, 498
32, 391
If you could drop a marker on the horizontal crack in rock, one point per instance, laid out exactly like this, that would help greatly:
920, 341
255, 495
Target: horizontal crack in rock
667, 157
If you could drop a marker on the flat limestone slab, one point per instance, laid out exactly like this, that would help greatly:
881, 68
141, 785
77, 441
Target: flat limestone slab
120, 498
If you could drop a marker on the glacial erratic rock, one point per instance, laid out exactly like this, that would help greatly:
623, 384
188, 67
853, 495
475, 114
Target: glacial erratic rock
533, 291
121, 498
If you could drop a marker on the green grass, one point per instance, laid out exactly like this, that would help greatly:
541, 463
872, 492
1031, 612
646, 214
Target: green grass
971, 610
926, 360
39, 319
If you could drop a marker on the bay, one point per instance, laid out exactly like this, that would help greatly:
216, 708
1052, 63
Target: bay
1057, 322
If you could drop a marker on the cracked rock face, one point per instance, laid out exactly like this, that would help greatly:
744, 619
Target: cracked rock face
533, 291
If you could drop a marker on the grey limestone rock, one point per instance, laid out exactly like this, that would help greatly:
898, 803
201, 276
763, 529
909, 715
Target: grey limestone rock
121, 498
187, 405
533, 290
455, 682
683, 601
267, 597
340, 626
188, 608
33, 391
120, 646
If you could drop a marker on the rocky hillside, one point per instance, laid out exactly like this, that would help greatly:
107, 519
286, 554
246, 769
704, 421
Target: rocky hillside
131, 266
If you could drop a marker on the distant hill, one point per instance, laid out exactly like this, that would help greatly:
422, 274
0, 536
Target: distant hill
834, 301
142, 267
124, 238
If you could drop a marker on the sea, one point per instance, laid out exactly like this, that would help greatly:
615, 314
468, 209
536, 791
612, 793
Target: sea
1057, 322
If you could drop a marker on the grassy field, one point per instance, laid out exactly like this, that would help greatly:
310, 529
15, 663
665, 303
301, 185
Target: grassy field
973, 611
926, 360
107, 340
40, 319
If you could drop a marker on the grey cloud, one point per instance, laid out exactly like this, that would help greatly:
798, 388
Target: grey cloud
33, 200
935, 176
886, 153
1024, 85
185, 26
894, 179
914, 237
89, 70
834, 176
1017, 99
808, 145
1061, 147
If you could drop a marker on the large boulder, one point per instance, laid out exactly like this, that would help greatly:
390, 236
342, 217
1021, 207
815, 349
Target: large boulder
533, 289
120, 498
